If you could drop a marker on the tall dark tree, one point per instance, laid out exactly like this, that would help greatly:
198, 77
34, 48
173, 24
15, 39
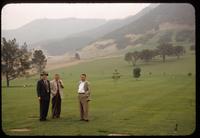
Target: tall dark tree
178, 51
165, 49
39, 60
15, 60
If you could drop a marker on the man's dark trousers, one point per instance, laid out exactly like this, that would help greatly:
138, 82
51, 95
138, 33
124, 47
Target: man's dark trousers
44, 107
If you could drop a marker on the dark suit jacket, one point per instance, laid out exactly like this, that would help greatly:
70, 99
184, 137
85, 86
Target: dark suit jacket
42, 91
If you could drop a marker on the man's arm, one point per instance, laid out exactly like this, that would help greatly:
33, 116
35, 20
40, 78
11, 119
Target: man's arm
52, 88
38, 90
88, 90
49, 86
61, 84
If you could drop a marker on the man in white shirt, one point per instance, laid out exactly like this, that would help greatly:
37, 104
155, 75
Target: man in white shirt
84, 97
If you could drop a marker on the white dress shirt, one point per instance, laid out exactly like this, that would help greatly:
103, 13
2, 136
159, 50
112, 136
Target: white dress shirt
81, 87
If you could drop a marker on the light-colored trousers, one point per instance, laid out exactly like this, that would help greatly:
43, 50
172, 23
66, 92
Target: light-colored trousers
83, 103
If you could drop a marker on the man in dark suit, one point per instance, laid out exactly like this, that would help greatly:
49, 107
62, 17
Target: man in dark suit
43, 92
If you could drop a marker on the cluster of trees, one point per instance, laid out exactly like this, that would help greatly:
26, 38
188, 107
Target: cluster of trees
163, 50
17, 60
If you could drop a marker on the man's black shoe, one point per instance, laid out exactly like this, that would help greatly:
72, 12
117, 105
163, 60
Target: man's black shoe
42, 119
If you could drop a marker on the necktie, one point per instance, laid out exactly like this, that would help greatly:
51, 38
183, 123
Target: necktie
58, 87
46, 84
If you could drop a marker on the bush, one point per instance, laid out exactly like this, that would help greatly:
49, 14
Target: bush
136, 72
116, 75
189, 74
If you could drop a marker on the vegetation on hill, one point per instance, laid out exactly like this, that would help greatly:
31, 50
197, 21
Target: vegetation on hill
164, 49
181, 14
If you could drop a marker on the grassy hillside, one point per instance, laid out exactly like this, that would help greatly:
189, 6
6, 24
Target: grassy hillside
150, 106
173, 23
177, 36
175, 14
171, 13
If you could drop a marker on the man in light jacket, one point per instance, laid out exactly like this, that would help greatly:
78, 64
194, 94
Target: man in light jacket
57, 94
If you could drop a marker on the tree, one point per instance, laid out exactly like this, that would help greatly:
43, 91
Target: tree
165, 49
39, 60
178, 51
132, 57
77, 56
136, 72
135, 57
15, 61
155, 52
128, 57
146, 55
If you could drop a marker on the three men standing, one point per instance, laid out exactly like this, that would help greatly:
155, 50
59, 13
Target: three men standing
43, 93
45, 88
84, 97
57, 95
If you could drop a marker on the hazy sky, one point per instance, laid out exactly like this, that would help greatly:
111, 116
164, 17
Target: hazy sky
16, 15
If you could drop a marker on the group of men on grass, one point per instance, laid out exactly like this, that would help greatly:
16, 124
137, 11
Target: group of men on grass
54, 89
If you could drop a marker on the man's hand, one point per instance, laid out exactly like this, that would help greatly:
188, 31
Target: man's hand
61, 84
39, 98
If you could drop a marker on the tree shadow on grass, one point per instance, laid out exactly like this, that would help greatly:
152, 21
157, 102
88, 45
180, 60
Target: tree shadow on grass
137, 80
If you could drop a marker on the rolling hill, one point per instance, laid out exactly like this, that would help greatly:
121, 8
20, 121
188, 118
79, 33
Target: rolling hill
79, 40
45, 29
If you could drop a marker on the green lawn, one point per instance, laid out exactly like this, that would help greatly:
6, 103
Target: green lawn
152, 105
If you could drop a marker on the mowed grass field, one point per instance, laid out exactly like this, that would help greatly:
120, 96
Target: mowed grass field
152, 105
